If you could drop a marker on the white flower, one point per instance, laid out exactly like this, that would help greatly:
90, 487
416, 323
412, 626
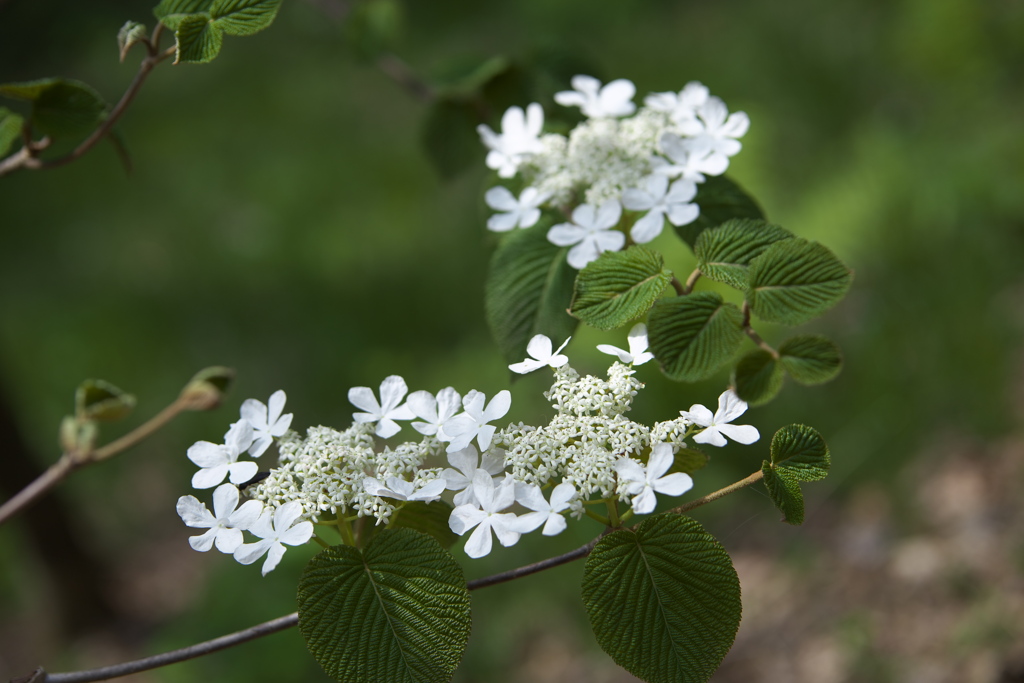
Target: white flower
266, 424
399, 489
659, 200
691, 158
590, 231
540, 350
487, 516
275, 528
641, 482
730, 406
613, 100
472, 424
519, 138
682, 106
638, 353
465, 463
436, 411
225, 524
519, 213
392, 390
719, 129
548, 514
219, 461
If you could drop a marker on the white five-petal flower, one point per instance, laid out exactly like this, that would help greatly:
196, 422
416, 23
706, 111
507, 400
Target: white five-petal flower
519, 138
472, 423
225, 523
267, 423
465, 462
518, 213
717, 427
659, 200
487, 516
638, 353
613, 100
642, 482
275, 528
218, 461
591, 232
547, 513
436, 411
392, 391
541, 354
400, 489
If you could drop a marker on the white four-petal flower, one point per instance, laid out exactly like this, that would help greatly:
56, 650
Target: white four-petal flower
730, 406
613, 100
660, 200
400, 489
719, 129
518, 213
486, 516
436, 411
638, 353
547, 513
519, 138
392, 391
266, 420
642, 482
472, 422
275, 528
682, 106
691, 158
465, 463
540, 350
225, 523
591, 232
218, 461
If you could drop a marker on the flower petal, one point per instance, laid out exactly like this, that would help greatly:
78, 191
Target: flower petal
744, 434
500, 198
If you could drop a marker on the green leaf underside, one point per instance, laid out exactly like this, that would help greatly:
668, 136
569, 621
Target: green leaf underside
427, 518
725, 252
60, 108
794, 280
397, 612
96, 399
10, 129
619, 286
692, 336
529, 287
758, 377
243, 17
719, 199
784, 490
663, 600
172, 12
199, 40
811, 359
801, 450
689, 460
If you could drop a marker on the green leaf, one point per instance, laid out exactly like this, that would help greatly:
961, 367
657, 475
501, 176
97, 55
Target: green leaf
96, 399
689, 460
199, 40
800, 450
373, 27
172, 12
130, 34
207, 388
811, 359
692, 336
619, 286
243, 17
428, 518
663, 600
529, 288
725, 252
795, 280
465, 78
758, 377
449, 136
719, 199
60, 108
784, 490
10, 129
396, 612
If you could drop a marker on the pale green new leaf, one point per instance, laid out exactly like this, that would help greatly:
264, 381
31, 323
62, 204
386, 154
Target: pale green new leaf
396, 612
172, 12
243, 17
692, 336
724, 253
96, 399
795, 280
199, 40
619, 286
758, 377
130, 34
60, 108
801, 450
784, 490
719, 199
663, 599
10, 129
811, 359
689, 460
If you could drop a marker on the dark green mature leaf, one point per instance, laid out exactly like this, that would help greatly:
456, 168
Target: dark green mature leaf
719, 199
619, 286
758, 377
130, 34
60, 108
811, 359
428, 518
529, 288
172, 12
801, 450
784, 490
10, 129
692, 336
396, 612
795, 280
199, 40
243, 17
96, 399
449, 136
725, 252
663, 600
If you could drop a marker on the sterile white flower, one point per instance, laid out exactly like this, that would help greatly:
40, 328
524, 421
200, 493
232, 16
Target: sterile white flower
225, 524
488, 516
400, 489
659, 200
465, 463
638, 353
276, 528
719, 129
682, 106
642, 482
613, 100
590, 231
218, 461
519, 138
540, 350
472, 423
392, 391
730, 406
266, 420
691, 158
519, 213
436, 411
546, 513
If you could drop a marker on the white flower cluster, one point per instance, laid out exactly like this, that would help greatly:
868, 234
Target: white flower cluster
647, 159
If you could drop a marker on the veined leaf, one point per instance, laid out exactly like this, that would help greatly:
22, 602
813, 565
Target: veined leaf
801, 450
243, 17
811, 359
619, 286
784, 490
692, 336
795, 280
199, 40
10, 129
719, 199
724, 253
758, 377
60, 108
172, 12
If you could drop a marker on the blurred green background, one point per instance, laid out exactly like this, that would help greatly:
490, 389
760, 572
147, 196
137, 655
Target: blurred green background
283, 218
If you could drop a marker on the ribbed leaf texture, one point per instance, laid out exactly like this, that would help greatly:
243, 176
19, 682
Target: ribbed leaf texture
795, 280
172, 12
663, 600
724, 253
61, 108
811, 359
243, 17
719, 199
784, 490
397, 612
199, 40
10, 129
619, 286
529, 289
692, 336
798, 453
427, 518
758, 377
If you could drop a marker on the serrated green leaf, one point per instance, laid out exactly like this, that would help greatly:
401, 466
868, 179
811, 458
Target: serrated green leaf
663, 600
130, 34
243, 17
757, 377
449, 136
619, 286
795, 280
529, 289
724, 253
396, 612
689, 460
719, 199
692, 336
10, 129
172, 12
96, 399
800, 450
427, 518
811, 359
784, 490
199, 40
60, 108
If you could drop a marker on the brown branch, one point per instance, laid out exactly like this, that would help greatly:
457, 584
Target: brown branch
754, 336
720, 493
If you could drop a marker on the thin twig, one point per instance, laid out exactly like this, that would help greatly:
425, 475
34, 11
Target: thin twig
400, 73
754, 336
715, 495
520, 572
691, 281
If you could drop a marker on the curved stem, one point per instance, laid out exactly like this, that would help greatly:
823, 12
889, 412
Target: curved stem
715, 495
754, 336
